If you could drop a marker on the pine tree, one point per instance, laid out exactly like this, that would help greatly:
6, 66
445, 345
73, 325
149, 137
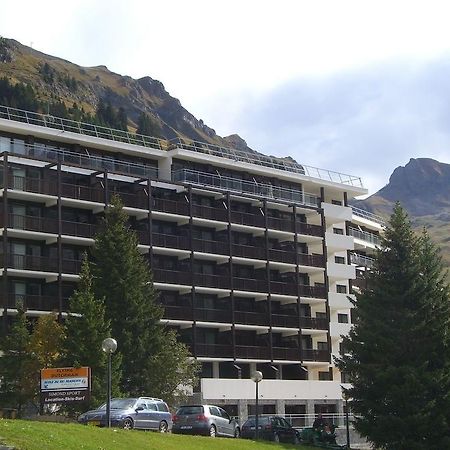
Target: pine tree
398, 352
146, 126
123, 278
14, 363
86, 327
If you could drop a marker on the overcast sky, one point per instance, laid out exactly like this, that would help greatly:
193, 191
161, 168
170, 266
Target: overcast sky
359, 87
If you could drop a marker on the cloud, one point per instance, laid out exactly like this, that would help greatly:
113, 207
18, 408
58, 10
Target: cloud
365, 122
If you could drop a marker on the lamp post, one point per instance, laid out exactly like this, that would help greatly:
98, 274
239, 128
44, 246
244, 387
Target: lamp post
109, 346
256, 377
346, 397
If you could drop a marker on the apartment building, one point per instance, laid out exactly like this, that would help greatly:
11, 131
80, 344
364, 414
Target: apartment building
254, 257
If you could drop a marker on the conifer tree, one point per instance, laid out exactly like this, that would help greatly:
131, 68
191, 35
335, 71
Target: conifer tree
123, 278
14, 363
398, 352
86, 327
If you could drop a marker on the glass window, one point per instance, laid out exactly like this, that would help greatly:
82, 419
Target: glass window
342, 318
214, 411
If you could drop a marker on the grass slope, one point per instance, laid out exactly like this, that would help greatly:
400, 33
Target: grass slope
29, 435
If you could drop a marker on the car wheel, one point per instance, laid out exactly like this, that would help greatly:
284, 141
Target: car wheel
163, 427
212, 431
237, 432
128, 424
276, 438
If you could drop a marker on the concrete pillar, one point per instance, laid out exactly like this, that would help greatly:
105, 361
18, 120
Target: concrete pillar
280, 407
215, 369
252, 367
310, 412
165, 169
242, 411
340, 411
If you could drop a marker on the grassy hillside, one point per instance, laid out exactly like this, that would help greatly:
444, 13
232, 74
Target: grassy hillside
29, 435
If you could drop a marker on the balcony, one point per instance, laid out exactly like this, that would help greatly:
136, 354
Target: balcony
164, 240
253, 188
31, 223
365, 236
248, 251
361, 260
249, 284
212, 315
310, 354
216, 247
212, 281
368, 216
313, 291
87, 129
283, 288
213, 350
314, 323
285, 321
170, 206
309, 229
211, 213
172, 277
252, 352
311, 260
251, 220
251, 318
289, 354
282, 256
30, 262
37, 302
178, 312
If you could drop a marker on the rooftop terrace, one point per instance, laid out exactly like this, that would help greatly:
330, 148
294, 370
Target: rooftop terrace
58, 123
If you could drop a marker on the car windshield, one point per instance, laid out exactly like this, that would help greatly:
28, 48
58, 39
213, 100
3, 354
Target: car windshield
186, 410
120, 403
261, 421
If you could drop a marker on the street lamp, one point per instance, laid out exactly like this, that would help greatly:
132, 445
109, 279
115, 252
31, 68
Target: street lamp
346, 397
256, 377
109, 346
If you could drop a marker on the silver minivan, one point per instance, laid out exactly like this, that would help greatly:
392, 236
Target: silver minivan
209, 420
146, 413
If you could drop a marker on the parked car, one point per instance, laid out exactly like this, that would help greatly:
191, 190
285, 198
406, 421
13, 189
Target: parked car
271, 428
144, 412
209, 420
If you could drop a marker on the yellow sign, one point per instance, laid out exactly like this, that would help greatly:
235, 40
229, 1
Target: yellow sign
64, 372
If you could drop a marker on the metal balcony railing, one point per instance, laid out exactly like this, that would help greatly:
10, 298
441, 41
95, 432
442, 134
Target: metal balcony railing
267, 161
198, 178
361, 260
368, 215
364, 236
69, 158
87, 129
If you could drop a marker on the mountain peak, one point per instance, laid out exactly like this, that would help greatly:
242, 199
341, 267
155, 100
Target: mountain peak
421, 186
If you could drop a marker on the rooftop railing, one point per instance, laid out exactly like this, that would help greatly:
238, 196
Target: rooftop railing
365, 236
87, 129
236, 185
368, 215
268, 161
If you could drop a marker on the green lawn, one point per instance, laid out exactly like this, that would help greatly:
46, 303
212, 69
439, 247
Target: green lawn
30, 435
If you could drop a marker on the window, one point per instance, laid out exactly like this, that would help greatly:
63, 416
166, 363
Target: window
336, 202
339, 259
342, 318
324, 376
322, 346
338, 231
214, 411
341, 289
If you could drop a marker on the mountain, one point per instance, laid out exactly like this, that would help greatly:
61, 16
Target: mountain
57, 80
423, 188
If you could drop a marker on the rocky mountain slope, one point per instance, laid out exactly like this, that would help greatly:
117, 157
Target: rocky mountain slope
423, 188
53, 78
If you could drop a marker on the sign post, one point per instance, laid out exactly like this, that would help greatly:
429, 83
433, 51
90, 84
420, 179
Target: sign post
65, 385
